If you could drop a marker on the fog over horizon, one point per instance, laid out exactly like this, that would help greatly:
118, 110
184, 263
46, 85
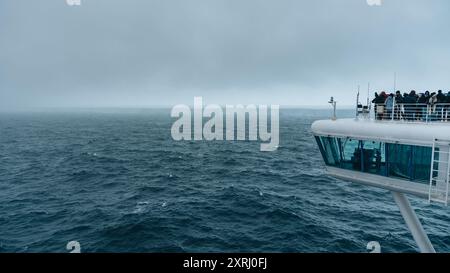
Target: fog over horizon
137, 53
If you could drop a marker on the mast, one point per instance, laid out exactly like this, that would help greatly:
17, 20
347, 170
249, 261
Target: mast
395, 82
357, 102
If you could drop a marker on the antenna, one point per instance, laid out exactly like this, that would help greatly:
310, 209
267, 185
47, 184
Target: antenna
357, 97
395, 82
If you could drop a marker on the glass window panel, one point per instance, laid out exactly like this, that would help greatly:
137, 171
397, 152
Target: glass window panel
394, 160
422, 163
350, 151
374, 157
399, 157
330, 151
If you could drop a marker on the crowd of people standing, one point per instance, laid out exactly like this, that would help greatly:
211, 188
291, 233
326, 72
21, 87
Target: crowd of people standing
412, 106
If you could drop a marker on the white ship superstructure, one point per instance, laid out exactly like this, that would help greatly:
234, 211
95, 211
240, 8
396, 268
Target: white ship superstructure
404, 149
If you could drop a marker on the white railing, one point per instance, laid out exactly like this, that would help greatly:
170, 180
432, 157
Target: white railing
412, 112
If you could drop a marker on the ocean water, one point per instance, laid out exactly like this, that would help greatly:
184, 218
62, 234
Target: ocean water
115, 181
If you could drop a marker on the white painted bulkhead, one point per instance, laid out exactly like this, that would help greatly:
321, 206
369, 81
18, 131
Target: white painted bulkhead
409, 133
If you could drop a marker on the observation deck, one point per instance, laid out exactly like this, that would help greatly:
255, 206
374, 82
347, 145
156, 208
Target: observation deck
403, 149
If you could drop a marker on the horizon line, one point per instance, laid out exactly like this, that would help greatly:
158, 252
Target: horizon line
84, 108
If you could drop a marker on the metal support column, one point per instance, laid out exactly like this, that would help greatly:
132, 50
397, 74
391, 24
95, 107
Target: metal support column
413, 223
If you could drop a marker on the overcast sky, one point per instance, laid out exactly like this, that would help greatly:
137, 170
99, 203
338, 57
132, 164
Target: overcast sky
165, 52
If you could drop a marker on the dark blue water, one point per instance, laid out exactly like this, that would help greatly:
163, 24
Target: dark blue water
116, 182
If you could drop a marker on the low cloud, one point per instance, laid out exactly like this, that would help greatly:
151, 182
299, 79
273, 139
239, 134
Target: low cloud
165, 52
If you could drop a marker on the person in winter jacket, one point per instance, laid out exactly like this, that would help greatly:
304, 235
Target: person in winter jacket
379, 105
409, 105
389, 105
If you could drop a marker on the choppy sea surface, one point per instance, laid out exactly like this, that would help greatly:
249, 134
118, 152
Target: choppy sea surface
115, 181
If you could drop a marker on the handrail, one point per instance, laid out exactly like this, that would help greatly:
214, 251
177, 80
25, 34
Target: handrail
411, 112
